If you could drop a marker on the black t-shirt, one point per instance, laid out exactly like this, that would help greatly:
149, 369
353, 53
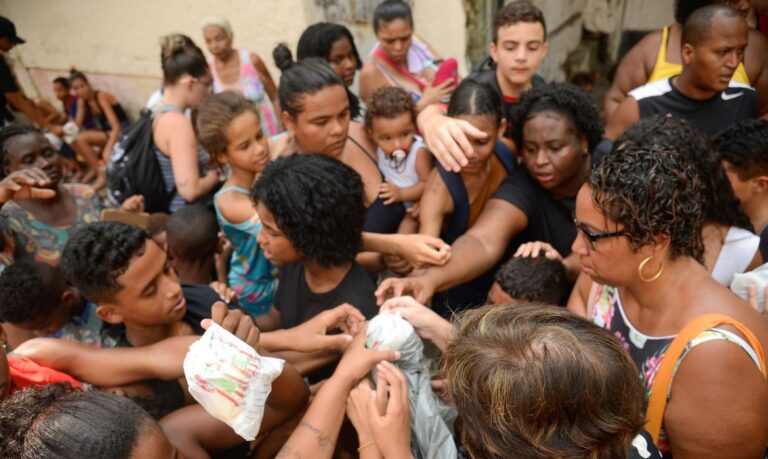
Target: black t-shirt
297, 303
738, 102
550, 219
642, 447
7, 84
489, 76
764, 243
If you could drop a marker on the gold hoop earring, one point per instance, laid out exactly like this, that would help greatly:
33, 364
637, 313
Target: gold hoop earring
641, 266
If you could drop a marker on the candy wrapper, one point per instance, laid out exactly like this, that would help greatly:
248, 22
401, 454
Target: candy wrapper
230, 379
388, 331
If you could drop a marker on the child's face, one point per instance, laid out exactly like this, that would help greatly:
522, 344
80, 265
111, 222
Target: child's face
392, 134
277, 248
741, 188
247, 147
60, 91
5, 376
483, 148
151, 293
498, 296
519, 50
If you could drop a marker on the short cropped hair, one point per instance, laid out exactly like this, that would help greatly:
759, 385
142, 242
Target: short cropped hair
515, 12
698, 27
100, 252
29, 289
745, 146
318, 203
538, 381
536, 280
192, 233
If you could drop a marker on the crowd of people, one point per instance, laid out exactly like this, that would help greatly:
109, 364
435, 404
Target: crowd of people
490, 266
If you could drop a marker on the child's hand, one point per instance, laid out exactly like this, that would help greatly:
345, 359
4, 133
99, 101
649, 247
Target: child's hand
357, 410
536, 249
234, 321
133, 204
226, 294
398, 265
389, 193
311, 335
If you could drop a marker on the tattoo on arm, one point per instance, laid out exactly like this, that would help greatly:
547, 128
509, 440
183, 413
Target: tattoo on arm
322, 439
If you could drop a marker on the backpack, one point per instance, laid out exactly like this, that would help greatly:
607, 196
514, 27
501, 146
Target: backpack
134, 169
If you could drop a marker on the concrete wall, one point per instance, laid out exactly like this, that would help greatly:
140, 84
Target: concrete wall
117, 46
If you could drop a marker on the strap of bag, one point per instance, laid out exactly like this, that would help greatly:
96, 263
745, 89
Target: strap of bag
383, 56
657, 403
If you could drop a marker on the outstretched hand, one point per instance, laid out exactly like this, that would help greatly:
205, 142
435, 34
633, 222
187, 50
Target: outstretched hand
312, 335
234, 321
358, 360
448, 138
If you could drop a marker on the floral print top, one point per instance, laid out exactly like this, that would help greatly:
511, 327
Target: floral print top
648, 351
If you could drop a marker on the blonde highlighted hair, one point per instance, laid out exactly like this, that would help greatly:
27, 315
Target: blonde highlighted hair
217, 21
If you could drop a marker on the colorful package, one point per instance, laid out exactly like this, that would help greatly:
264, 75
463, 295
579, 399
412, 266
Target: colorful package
230, 379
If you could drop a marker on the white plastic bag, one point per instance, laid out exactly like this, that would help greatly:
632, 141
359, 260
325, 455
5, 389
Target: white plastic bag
230, 379
758, 278
388, 331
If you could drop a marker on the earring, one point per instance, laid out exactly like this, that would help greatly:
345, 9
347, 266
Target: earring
641, 266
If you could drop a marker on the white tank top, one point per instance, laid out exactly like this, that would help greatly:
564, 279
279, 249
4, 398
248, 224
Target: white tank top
404, 175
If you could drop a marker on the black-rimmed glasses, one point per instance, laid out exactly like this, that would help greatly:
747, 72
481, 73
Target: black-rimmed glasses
594, 237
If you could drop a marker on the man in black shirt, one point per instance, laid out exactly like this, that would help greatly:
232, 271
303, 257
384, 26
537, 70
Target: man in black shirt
743, 150
10, 93
713, 42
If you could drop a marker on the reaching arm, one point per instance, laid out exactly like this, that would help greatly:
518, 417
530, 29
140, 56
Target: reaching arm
435, 204
269, 84
106, 101
448, 138
755, 57
24, 105
632, 72
627, 114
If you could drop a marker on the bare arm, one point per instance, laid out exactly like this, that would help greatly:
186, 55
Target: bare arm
24, 105
269, 83
578, 301
423, 168
435, 204
627, 114
80, 113
756, 64
174, 131
632, 72
417, 248
371, 79
718, 405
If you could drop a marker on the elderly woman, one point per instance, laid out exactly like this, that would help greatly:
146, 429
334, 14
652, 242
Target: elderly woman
241, 70
639, 220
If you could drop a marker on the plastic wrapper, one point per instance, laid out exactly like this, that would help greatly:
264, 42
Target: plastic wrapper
230, 379
758, 278
431, 419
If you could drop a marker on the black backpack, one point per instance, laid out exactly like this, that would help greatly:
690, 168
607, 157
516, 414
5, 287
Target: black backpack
134, 169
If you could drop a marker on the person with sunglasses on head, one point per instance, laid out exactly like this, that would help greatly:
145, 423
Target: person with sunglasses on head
186, 82
556, 127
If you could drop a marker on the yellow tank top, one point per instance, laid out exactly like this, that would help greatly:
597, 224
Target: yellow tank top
664, 69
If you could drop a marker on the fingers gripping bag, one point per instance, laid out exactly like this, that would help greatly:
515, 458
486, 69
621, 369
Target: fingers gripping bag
230, 379
431, 419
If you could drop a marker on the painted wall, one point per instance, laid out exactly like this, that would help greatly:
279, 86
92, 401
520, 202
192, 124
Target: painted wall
117, 46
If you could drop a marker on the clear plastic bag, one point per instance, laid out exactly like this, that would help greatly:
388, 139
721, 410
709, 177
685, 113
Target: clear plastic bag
230, 379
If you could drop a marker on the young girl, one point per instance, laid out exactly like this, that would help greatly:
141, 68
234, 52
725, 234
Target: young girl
401, 154
452, 201
228, 127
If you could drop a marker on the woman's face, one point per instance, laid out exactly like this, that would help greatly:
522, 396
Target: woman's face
322, 125
61, 92
246, 144
395, 38
483, 148
218, 42
607, 260
343, 61
33, 150
82, 89
553, 153
275, 245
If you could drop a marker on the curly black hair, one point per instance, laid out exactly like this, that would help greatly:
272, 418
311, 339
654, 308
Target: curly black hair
562, 98
318, 203
6, 134
98, 253
720, 203
389, 102
29, 290
538, 280
652, 190
57, 420
745, 146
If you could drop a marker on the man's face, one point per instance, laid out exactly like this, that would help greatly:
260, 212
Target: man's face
151, 293
519, 50
6, 44
714, 61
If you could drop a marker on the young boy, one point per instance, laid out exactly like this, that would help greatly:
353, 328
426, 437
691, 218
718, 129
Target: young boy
744, 153
37, 298
530, 280
518, 48
313, 211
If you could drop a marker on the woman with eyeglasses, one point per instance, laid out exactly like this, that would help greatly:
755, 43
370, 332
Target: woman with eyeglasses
556, 127
641, 252
186, 82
